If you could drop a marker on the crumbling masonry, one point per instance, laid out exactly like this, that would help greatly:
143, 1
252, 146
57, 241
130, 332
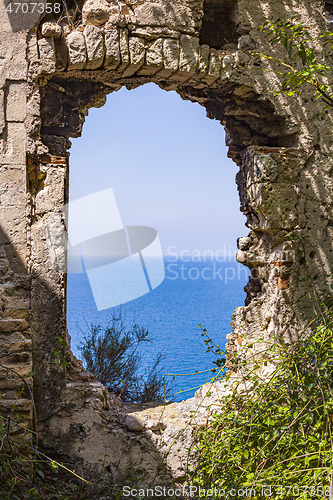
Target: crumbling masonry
50, 75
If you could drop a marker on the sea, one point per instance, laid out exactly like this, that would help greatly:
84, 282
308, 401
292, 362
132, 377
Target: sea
192, 293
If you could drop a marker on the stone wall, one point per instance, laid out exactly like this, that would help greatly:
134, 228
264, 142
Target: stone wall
50, 75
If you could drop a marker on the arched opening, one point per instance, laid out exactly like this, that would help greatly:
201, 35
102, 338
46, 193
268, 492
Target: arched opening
249, 120
168, 168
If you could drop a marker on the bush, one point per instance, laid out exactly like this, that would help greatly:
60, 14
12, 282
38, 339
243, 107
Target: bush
277, 435
26, 473
114, 355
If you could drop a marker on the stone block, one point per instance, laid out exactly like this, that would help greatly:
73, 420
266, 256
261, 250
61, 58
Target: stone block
51, 197
137, 49
95, 46
13, 152
11, 383
13, 233
215, 66
46, 49
16, 102
112, 49
189, 54
13, 338
18, 357
172, 14
13, 47
226, 69
33, 105
10, 394
4, 265
277, 202
51, 30
61, 49
95, 12
15, 303
10, 314
203, 63
154, 58
13, 325
20, 19
2, 111
20, 405
12, 186
77, 53
32, 47
170, 57
124, 49
133, 423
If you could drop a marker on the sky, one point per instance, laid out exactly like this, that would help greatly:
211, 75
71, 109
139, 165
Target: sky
167, 165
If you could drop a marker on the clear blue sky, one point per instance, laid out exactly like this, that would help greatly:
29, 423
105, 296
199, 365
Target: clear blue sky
167, 165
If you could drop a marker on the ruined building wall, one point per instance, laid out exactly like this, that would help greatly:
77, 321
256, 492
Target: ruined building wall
50, 75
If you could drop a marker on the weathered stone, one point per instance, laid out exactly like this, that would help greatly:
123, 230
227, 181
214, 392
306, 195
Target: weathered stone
2, 111
226, 69
53, 182
115, 18
32, 47
13, 46
20, 405
244, 243
15, 151
189, 54
285, 190
137, 48
46, 49
33, 105
16, 314
155, 425
154, 58
95, 12
51, 30
112, 56
215, 65
13, 186
133, 423
203, 63
170, 57
95, 46
16, 102
184, 17
4, 265
12, 384
14, 338
67, 29
124, 49
61, 50
76, 50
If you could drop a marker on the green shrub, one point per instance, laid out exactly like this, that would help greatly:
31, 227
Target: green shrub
278, 434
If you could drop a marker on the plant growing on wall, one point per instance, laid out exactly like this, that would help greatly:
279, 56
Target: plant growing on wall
301, 68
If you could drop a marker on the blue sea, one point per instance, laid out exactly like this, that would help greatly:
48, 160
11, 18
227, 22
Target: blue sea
192, 293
